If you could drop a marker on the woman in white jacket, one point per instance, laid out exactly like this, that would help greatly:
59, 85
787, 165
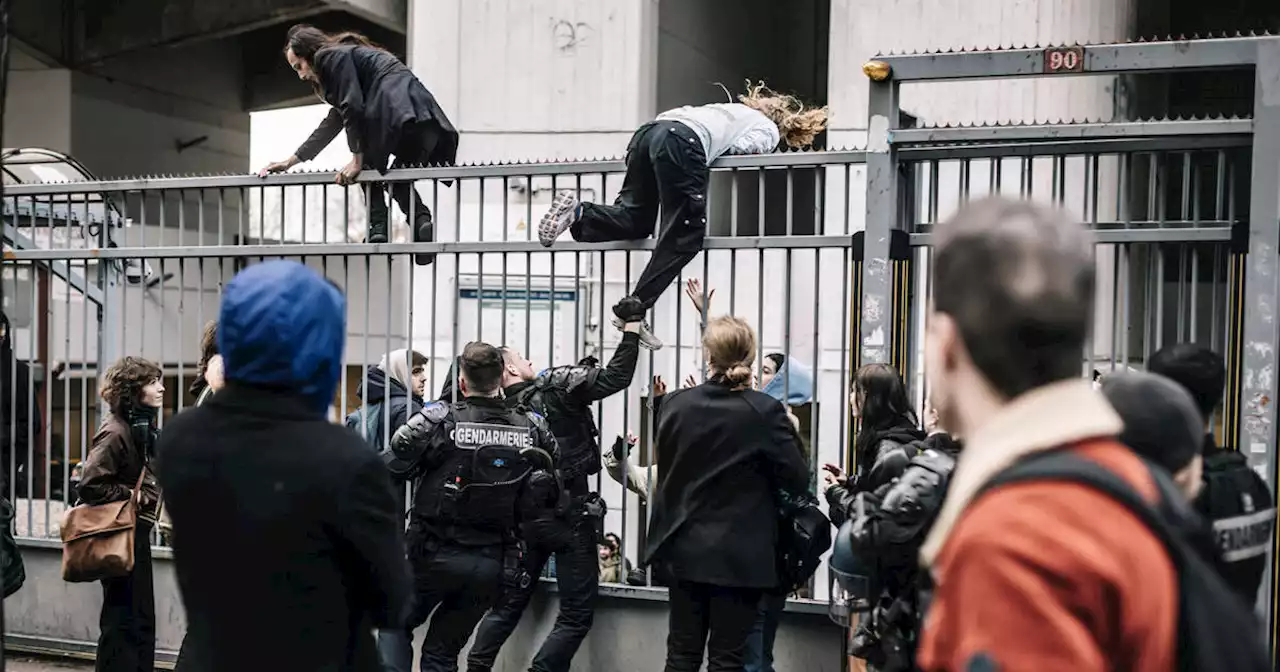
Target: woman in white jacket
668, 164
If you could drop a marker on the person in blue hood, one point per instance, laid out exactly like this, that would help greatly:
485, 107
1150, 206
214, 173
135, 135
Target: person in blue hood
786, 380
294, 552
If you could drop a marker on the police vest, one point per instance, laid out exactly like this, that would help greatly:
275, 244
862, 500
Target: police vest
481, 484
1238, 503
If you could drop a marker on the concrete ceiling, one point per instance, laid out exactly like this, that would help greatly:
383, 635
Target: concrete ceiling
87, 33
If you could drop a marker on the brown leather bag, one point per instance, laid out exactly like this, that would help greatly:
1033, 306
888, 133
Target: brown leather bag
97, 541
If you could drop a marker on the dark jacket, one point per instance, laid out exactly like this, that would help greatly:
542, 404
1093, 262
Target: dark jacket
891, 451
895, 518
564, 395
288, 546
378, 387
375, 98
722, 456
19, 413
113, 465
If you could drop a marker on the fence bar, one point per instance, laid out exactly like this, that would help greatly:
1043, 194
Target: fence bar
1102, 131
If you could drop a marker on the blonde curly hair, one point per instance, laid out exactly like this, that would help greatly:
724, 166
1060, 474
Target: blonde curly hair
797, 124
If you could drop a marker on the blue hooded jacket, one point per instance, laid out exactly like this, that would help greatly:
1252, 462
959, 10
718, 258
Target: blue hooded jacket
798, 387
282, 325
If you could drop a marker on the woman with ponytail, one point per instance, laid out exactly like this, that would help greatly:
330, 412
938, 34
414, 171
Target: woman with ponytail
724, 451
385, 111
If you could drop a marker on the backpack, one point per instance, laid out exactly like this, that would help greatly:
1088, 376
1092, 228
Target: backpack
804, 535
1216, 629
1237, 502
12, 571
367, 422
484, 482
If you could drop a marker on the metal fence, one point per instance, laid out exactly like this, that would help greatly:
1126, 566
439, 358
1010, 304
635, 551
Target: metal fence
826, 253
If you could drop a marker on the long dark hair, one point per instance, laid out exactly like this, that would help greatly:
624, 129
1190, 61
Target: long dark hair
305, 41
883, 405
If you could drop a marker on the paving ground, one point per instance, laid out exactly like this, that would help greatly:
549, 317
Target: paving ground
21, 663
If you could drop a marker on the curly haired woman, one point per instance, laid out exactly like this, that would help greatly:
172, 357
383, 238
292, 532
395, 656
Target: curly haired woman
668, 164
133, 389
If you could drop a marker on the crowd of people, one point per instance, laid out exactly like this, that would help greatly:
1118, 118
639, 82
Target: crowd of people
1029, 520
956, 529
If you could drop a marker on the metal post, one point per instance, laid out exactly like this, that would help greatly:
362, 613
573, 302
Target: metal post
874, 338
1261, 332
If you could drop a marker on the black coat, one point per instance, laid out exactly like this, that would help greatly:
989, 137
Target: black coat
722, 457
375, 98
288, 539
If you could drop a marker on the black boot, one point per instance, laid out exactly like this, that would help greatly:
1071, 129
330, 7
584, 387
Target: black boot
630, 309
424, 231
377, 230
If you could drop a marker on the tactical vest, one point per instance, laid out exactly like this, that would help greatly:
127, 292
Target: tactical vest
473, 496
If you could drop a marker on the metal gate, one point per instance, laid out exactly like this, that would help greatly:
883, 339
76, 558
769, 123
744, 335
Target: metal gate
826, 253
1185, 213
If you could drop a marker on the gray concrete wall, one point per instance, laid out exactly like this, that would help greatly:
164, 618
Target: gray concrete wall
629, 632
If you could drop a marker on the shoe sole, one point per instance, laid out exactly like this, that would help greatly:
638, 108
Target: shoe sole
554, 222
647, 340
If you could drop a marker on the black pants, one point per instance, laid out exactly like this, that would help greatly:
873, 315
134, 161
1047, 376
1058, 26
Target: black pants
416, 144
578, 579
127, 637
667, 166
459, 584
715, 618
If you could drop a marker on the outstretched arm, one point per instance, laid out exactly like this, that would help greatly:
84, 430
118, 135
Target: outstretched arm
617, 375
320, 138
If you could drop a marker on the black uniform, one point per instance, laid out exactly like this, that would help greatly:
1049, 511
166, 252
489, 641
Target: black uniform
890, 525
483, 468
563, 395
1237, 502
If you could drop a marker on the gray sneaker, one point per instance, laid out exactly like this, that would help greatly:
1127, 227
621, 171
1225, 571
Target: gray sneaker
562, 215
647, 339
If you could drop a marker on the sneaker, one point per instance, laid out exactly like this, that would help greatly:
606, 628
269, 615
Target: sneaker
564, 211
377, 233
424, 232
647, 339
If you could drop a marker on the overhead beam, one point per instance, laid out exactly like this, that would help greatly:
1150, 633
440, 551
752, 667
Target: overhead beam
104, 30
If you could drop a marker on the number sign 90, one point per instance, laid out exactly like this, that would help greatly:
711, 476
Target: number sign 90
1063, 59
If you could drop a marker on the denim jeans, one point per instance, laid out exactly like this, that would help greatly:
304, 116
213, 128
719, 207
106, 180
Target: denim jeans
578, 579
759, 654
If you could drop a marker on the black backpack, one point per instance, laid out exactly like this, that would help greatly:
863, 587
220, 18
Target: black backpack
804, 534
12, 571
1216, 629
1237, 502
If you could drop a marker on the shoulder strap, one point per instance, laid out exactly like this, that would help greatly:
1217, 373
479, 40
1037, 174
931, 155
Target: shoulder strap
1063, 465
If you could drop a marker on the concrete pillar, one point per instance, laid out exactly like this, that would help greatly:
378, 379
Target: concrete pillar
533, 80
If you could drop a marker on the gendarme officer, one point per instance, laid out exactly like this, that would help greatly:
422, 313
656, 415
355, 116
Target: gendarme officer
483, 468
564, 395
